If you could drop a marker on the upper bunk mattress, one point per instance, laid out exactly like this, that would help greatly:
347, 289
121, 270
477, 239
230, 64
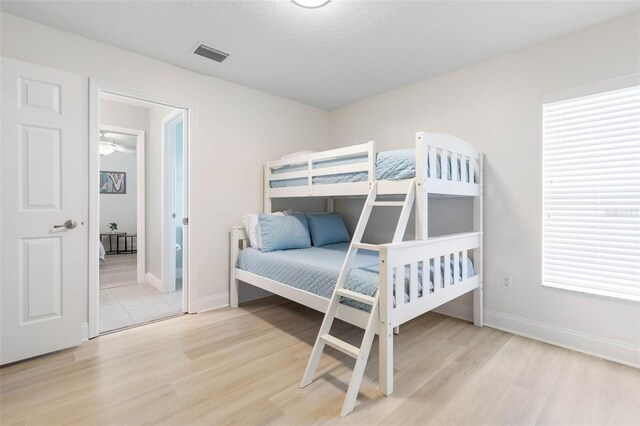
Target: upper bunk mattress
316, 270
390, 165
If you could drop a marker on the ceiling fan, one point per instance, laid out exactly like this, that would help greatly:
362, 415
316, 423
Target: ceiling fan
108, 146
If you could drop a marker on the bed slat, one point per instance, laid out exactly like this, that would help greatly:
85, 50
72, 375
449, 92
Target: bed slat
400, 286
447, 270
465, 266
437, 274
456, 267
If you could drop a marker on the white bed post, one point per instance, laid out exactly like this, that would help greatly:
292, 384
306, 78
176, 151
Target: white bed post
385, 328
236, 236
422, 198
266, 207
478, 226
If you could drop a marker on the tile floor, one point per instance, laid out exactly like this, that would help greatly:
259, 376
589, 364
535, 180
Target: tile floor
124, 303
129, 305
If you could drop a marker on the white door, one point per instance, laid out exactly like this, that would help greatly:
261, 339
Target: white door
44, 184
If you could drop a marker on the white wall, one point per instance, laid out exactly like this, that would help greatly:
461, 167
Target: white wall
496, 106
120, 208
237, 128
124, 115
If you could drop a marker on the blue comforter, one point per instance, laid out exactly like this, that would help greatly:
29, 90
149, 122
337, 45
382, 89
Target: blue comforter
316, 270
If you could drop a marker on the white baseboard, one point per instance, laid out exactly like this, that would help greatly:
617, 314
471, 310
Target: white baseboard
611, 350
221, 300
210, 303
84, 331
154, 281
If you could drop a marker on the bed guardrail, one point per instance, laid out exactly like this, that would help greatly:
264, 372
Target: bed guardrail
442, 261
310, 166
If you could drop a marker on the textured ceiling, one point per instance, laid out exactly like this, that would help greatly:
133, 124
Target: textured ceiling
327, 57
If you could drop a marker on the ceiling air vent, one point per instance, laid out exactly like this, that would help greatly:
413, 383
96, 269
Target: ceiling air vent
210, 53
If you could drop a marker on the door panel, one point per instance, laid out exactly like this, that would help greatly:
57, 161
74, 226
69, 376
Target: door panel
40, 95
40, 280
44, 183
40, 172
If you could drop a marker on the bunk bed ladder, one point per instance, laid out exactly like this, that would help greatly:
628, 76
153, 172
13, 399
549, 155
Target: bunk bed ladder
360, 354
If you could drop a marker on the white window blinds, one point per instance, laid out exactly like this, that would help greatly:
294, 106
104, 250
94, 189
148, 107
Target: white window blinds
591, 193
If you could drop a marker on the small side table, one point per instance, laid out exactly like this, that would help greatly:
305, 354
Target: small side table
110, 237
129, 240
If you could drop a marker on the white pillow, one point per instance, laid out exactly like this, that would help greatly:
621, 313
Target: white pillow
252, 226
297, 154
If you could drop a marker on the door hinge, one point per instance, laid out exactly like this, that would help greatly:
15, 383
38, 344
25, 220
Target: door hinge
185, 220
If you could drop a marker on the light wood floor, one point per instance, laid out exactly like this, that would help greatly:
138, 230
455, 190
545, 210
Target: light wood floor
118, 270
243, 366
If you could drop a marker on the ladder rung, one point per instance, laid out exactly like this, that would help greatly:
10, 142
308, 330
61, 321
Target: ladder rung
387, 203
365, 246
363, 298
340, 345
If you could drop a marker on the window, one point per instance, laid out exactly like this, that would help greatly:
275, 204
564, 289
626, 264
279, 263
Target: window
591, 192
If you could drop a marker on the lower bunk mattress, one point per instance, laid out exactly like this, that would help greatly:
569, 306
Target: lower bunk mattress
316, 270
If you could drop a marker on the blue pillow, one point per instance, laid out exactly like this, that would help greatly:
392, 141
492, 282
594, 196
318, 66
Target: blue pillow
284, 232
327, 228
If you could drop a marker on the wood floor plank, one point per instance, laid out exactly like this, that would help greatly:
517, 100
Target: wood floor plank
243, 366
118, 270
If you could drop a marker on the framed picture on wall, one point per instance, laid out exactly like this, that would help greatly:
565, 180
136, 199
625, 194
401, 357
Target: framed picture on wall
113, 182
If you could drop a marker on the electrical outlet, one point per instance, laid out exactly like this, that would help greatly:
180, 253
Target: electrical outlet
507, 282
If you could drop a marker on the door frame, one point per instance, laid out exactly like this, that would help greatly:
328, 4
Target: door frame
97, 86
140, 195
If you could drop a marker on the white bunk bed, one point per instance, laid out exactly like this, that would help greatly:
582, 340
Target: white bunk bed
460, 174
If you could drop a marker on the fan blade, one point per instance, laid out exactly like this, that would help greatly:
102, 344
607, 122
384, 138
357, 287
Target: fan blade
124, 149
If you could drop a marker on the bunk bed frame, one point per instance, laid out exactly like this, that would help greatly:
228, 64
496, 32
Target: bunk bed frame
394, 258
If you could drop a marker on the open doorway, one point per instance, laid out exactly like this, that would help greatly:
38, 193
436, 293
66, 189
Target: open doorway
138, 211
